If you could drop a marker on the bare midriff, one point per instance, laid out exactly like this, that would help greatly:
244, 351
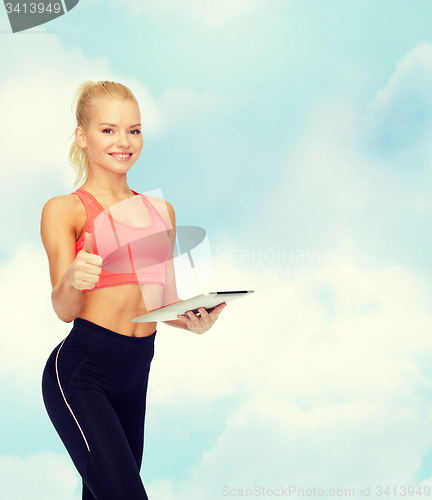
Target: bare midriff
114, 306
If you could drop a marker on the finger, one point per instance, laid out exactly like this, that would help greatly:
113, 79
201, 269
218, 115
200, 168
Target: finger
98, 261
93, 263
207, 319
219, 308
88, 242
216, 311
184, 318
194, 318
204, 314
189, 322
94, 268
88, 248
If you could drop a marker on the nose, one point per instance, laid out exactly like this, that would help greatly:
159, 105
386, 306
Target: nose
122, 140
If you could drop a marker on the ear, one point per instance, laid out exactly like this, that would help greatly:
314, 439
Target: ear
80, 137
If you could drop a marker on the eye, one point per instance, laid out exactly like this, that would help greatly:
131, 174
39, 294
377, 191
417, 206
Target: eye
109, 130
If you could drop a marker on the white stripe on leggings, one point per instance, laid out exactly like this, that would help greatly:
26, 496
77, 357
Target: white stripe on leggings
67, 404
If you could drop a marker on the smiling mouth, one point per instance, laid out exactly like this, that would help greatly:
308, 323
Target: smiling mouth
121, 156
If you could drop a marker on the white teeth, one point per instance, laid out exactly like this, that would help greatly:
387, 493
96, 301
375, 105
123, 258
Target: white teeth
121, 156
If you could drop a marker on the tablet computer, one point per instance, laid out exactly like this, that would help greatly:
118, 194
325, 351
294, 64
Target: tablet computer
206, 300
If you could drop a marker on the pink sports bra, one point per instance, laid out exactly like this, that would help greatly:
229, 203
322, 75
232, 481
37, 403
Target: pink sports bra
130, 254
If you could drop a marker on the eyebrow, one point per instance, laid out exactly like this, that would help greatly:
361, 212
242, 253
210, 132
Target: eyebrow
114, 125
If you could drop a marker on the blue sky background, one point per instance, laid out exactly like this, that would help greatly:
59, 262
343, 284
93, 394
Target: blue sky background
277, 125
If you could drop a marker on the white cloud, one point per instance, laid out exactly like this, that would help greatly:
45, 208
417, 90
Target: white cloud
355, 164
269, 442
42, 476
397, 125
363, 342
336, 372
413, 73
30, 329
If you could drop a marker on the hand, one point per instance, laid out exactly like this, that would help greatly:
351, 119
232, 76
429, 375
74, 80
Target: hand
84, 272
203, 322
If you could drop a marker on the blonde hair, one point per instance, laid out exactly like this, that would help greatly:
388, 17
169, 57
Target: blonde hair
83, 101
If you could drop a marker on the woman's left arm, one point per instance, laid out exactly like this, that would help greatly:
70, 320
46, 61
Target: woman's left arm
194, 323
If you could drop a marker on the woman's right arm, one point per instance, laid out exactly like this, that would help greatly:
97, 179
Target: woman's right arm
58, 238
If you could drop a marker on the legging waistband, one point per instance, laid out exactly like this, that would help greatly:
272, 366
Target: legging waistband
97, 334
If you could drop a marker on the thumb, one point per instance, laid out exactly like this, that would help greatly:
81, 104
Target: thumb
88, 243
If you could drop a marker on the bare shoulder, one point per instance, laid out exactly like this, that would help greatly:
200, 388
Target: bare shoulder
58, 230
163, 206
66, 207
159, 202
65, 200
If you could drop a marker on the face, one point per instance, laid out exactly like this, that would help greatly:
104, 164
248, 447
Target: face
113, 140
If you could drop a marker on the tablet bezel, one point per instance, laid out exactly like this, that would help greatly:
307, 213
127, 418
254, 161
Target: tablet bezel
170, 312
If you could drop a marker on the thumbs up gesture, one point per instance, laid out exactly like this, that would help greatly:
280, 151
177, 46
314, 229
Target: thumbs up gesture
85, 270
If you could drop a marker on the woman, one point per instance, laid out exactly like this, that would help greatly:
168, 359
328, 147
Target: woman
95, 381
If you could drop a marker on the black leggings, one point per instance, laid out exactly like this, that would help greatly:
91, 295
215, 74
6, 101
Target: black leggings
94, 387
